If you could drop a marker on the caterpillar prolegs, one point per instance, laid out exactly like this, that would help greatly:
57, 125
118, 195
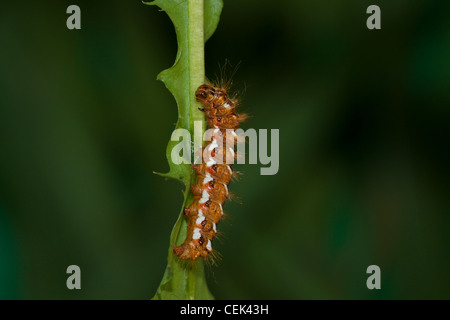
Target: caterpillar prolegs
211, 190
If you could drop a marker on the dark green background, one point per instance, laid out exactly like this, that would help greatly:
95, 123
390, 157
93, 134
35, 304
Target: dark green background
364, 162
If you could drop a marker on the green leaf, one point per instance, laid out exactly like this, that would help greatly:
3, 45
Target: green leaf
194, 21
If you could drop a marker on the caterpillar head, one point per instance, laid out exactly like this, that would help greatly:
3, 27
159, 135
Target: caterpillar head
208, 94
205, 94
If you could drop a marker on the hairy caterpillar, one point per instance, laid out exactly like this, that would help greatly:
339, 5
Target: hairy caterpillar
213, 177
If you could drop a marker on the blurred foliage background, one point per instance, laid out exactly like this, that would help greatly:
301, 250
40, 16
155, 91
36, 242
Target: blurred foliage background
364, 163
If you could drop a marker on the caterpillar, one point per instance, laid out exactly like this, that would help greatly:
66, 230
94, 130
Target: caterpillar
211, 190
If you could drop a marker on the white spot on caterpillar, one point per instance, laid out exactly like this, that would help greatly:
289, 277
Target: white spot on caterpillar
205, 197
214, 227
213, 144
196, 234
230, 170
199, 220
210, 162
207, 179
200, 213
209, 246
226, 105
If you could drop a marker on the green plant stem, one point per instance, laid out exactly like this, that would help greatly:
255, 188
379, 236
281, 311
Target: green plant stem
196, 44
185, 280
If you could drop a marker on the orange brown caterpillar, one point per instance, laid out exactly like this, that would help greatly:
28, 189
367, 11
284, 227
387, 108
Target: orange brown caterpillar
211, 189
